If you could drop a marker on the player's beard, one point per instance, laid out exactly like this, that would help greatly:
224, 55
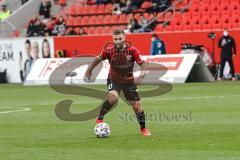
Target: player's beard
119, 46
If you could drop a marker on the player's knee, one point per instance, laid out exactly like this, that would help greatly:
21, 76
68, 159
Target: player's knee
112, 98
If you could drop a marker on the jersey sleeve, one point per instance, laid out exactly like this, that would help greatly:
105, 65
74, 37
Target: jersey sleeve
137, 56
102, 56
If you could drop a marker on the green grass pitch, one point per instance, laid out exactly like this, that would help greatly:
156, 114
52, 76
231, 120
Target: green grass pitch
208, 127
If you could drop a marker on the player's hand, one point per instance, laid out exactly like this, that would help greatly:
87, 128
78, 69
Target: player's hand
234, 55
138, 80
88, 74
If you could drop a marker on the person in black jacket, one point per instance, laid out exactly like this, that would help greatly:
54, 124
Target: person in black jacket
31, 27
39, 29
24, 1
228, 51
45, 9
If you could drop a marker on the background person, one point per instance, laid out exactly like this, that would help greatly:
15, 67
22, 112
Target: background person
228, 51
157, 46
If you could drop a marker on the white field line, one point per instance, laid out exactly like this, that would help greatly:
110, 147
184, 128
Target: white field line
190, 98
14, 109
99, 101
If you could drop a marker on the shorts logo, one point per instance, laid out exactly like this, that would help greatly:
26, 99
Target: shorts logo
110, 86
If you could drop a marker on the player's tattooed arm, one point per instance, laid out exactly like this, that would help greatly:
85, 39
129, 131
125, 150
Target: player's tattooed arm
95, 62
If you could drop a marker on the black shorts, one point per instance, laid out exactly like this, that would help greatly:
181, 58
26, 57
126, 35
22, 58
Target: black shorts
129, 89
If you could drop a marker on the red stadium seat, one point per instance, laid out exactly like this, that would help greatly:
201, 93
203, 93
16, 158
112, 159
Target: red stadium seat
197, 14
129, 16
196, 2
186, 16
216, 23
235, 1
160, 17
101, 9
107, 19
215, 2
234, 6
79, 10
215, 20
206, 15
93, 9
207, 2
227, 25
236, 25
224, 6
177, 15
114, 19
217, 26
204, 20
108, 8
225, 19
99, 30
159, 28
204, 7
234, 19
206, 27
177, 28
151, 16
72, 10
106, 30
91, 30
85, 20
194, 21
137, 16
186, 21
92, 20
235, 13
194, 8
77, 21
177, 25
216, 14
113, 28
122, 19
196, 27
146, 15
225, 13
169, 28
168, 15
86, 9
176, 22
214, 7
62, 2
77, 30
99, 19
186, 27
70, 21
86, 29
146, 4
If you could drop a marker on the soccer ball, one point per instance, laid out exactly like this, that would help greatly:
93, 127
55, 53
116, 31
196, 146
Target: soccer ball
102, 130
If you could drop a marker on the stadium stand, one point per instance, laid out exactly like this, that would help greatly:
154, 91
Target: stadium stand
187, 15
197, 15
92, 16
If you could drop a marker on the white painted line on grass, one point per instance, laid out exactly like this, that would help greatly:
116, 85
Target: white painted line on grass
99, 101
14, 109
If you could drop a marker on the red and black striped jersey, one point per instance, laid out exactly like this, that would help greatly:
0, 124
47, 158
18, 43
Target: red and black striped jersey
122, 63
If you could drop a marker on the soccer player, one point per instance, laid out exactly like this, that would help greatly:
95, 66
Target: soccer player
228, 52
120, 77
